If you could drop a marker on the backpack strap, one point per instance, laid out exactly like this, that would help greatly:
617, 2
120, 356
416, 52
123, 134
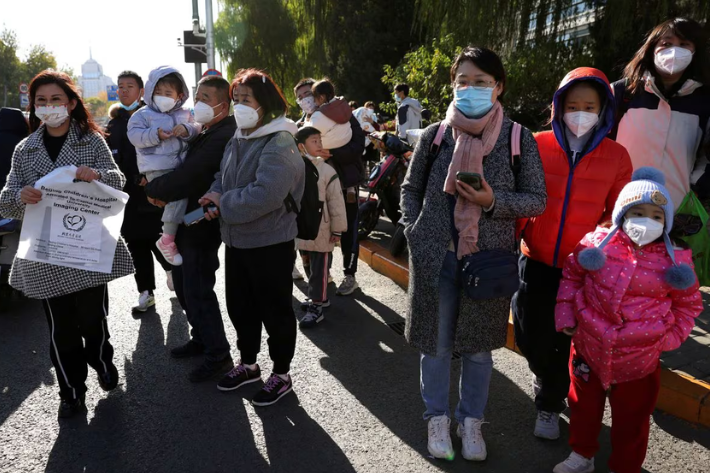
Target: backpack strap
516, 139
434, 149
332, 179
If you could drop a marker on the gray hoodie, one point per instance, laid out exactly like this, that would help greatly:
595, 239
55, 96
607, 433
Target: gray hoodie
257, 173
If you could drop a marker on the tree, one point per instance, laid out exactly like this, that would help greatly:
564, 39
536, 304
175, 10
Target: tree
9, 67
38, 60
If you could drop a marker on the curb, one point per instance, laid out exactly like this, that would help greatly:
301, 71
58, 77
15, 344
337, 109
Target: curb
681, 395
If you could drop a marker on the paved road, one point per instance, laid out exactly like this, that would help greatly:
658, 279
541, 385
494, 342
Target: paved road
356, 406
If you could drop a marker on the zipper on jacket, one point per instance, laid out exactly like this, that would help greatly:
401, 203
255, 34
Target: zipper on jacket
572, 164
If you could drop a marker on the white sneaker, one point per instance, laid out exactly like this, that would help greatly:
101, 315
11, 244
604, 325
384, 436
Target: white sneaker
145, 301
348, 286
439, 444
547, 425
296, 274
474, 447
575, 463
537, 385
169, 281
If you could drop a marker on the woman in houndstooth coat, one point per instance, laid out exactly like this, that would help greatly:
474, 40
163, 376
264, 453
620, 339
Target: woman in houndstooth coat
75, 301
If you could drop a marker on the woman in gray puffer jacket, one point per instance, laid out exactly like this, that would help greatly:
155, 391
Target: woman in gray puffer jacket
261, 167
476, 139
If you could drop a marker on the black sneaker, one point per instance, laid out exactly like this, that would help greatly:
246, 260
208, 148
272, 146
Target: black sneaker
274, 389
239, 376
69, 408
314, 316
109, 380
210, 369
308, 302
191, 348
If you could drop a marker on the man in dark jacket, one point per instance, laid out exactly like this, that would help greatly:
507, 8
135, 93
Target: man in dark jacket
347, 161
199, 243
142, 221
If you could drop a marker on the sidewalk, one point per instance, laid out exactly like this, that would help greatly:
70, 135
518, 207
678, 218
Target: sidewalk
685, 379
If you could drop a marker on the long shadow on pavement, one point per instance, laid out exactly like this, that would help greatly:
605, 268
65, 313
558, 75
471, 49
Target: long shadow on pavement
378, 367
24, 354
159, 422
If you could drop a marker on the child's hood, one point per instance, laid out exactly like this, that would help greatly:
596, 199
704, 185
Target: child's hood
153, 78
337, 110
607, 114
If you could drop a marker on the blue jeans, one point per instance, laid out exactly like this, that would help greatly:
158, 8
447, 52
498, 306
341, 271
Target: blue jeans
435, 372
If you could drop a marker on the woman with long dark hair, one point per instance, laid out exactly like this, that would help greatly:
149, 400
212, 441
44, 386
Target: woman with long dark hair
75, 300
663, 105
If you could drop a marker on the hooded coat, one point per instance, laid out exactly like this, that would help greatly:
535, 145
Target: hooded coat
13, 129
333, 121
581, 189
152, 153
409, 116
626, 313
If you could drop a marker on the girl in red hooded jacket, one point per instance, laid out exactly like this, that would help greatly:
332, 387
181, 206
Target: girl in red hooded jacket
584, 173
626, 296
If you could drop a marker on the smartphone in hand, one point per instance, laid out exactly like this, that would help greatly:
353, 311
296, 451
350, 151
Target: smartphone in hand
198, 214
473, 179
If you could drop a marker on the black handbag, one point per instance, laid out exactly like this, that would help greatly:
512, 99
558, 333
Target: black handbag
490, 274
487, 274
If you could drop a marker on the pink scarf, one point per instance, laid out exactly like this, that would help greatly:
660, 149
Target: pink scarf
475, 138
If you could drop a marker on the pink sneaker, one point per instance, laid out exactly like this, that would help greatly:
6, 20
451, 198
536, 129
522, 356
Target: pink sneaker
169, 251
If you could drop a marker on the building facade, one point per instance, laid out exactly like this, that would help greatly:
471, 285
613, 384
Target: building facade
92, 79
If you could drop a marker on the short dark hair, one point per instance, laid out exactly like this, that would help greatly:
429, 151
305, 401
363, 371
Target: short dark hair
402, 88
325, 88
302, 82
304, 133
353, 104
220, 84
131, 75
369, 103
174, 80
265, 90
484, 59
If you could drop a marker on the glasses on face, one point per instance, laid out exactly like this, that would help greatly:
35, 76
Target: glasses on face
462, 83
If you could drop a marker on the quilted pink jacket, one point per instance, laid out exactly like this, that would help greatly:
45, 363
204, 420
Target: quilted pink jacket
626, 313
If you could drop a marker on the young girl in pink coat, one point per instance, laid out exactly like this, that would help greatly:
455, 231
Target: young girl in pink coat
626, 296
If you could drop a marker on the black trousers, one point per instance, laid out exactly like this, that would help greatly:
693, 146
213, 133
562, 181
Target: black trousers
142, 252
349, 243
546, 350
259, 290
78, 335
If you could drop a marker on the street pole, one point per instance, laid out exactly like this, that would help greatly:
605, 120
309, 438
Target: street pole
210, 34
196, 31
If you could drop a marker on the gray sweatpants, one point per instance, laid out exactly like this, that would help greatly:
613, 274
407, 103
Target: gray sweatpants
318, 279
173, 212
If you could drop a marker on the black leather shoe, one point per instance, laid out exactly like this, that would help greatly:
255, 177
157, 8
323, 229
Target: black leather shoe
70, 408
211, 369
109, 380
187, 350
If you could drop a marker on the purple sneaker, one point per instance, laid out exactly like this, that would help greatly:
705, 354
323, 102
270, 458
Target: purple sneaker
238, 377
274, 389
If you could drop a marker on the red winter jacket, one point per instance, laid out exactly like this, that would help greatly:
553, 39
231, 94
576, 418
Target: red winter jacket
580, 194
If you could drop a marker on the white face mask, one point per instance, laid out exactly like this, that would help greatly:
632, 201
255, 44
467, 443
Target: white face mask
307, 104
164, 104
580, 123
52, 115
245, 116
643, 230
673, 60
204, 113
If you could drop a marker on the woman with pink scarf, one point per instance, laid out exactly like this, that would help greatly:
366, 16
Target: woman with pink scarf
447, 221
